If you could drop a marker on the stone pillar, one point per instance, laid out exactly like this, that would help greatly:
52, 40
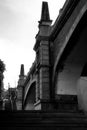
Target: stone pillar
42, 57
20, 88
44, 71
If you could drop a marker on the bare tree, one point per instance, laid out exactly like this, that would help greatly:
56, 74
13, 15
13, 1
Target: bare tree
2, 69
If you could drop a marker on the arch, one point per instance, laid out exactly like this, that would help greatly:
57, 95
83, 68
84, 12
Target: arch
30, 97
70, 79
34, 80
76, 41
62, 55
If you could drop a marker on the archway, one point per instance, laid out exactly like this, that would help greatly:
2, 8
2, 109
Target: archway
30, 97
72, 61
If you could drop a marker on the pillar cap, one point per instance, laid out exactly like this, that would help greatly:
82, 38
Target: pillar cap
45, 16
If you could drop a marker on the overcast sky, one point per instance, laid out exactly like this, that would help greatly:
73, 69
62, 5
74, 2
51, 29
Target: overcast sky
18, 28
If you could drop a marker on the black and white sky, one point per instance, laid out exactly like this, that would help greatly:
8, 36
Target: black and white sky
18, 28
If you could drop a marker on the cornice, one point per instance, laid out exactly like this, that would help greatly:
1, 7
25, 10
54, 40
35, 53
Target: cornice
32, 69
38, 39
67, 10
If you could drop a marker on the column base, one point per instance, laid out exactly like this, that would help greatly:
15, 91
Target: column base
66, 103
44, 105
63, 103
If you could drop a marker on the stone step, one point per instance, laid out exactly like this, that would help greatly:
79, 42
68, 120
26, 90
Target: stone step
42, 120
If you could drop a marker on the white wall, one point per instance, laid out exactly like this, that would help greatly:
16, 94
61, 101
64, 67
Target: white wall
67, 79
82, 93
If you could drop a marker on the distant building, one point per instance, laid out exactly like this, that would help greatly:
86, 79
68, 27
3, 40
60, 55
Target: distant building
9, 99
57, 79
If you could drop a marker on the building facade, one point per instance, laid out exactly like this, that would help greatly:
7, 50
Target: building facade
57, 79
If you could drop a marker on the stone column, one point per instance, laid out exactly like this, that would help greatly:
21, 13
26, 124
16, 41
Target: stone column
20, 88
42, 57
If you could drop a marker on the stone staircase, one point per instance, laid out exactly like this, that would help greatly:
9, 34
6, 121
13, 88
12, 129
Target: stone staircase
41, 120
